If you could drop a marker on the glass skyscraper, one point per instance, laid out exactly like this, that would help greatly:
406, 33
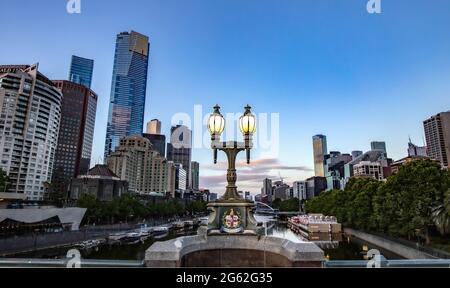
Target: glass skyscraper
128, 88
81, 70
320, 150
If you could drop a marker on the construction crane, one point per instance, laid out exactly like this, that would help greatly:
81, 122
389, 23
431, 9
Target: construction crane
281, 178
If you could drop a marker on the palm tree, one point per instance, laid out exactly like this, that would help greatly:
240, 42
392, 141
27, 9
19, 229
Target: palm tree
441, 215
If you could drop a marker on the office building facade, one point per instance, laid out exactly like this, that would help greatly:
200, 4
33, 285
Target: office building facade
99, 182
320, 150
29, 126
368, 169
179, 150
280, 191
267, 191
378, 145
195, 174
81, 70
180, 179
414, 150
128, 88
335, 169
154, 127
137, 163
158, 143
437, 134
76, 134
300, 190
315, 186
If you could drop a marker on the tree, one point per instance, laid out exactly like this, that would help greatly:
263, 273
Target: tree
359, 209
441, 215
197, 207
411, 201
408, 197
93, 206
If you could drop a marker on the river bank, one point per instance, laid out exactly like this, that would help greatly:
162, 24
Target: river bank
28, 243
402, 249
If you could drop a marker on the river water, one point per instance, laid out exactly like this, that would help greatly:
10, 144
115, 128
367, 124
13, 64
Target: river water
337, 247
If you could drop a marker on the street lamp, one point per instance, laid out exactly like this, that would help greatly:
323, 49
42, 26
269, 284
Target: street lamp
216, 126
232, 214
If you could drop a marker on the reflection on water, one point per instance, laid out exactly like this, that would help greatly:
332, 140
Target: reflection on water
336, 247
108, 252
280, 230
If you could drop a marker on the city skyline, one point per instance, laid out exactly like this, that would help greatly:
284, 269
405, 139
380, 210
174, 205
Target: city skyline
292, 68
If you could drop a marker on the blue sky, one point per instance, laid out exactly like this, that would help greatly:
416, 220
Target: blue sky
326, 66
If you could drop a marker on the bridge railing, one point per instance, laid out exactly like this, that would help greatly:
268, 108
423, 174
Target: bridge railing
88, 263
415, 263
64, 263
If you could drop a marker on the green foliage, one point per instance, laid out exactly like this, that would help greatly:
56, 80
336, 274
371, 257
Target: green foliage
130, 207
407, 204
441, 215
329, 203
197, 207
290, 205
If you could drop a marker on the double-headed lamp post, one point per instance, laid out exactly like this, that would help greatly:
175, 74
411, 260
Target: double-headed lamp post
216, 126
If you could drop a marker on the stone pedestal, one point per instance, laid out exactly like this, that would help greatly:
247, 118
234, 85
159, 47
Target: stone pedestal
228, 250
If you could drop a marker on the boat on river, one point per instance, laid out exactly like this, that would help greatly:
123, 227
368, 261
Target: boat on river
89, 244
160, 230
188, 223
116, 237
315, 223
178, 225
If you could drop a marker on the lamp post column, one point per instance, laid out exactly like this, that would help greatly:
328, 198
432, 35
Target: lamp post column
231, 192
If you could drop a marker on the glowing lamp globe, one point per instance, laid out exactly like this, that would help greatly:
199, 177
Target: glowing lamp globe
248, 122
216, 123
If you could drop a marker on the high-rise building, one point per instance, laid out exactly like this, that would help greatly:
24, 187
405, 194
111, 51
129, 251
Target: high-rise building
154, 127
368, 169
414, 150
180, 179
158, 142
300, 190
378, 145
437, 133
76, 134
280, 191
372, 156
179, 150
128, 88
335, 169
81, 70
29, 125
315, 186
267, 191
320, 150
156, 138
195, 174
136, 162
171, 178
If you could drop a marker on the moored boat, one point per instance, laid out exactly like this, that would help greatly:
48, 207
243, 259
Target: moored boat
315, 223
178, 225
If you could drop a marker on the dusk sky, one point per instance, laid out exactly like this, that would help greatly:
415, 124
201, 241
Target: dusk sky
325, 66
